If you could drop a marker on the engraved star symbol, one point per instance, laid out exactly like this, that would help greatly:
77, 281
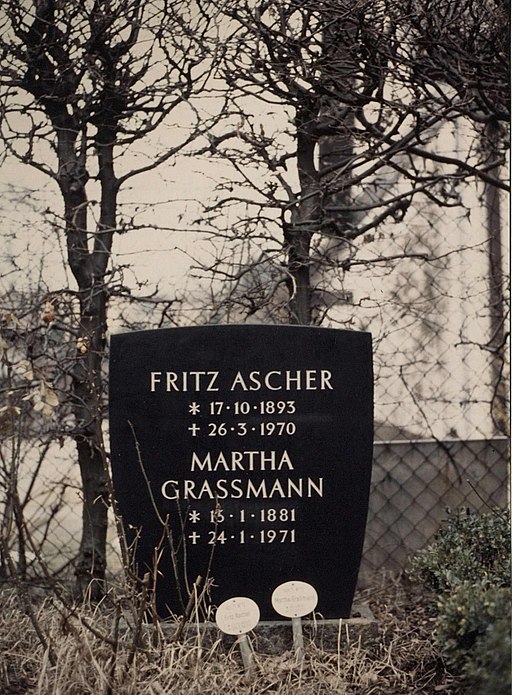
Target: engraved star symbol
194, 408
194, 516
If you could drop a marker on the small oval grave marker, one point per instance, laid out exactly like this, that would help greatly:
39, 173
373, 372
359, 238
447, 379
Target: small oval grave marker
237, 616
294, 599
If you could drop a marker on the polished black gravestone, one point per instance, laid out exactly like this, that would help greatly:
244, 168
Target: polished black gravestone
254, 445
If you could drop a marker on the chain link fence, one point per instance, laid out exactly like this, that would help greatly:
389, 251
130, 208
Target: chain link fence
425, 293
414, 482
413, 485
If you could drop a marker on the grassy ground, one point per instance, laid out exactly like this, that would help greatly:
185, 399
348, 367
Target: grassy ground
86, 654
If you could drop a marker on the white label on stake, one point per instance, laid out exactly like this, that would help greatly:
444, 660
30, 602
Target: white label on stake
294, 599
237, 616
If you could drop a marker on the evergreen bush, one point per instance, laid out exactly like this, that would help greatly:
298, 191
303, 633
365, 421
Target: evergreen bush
468, 547
468, 566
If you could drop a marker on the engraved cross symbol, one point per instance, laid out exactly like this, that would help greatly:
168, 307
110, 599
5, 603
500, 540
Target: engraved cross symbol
194, 429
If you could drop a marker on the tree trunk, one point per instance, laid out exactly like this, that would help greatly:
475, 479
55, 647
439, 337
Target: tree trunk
305, 218
299, 281
86, 393
321, 122
87, 387
497, 342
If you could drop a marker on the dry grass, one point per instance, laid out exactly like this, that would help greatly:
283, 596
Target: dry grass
78, 661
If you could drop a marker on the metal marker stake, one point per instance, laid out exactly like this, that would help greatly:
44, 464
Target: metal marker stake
238, 616
247, 655
294, 600
298, 639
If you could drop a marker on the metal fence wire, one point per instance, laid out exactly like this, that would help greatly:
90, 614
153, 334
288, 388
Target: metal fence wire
414, 483
428, 296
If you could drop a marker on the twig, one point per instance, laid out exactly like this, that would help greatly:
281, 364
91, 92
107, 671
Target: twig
188, 610
485, 502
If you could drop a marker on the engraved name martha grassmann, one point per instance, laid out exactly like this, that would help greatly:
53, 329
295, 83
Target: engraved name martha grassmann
238, 488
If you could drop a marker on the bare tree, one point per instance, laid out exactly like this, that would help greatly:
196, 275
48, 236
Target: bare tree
339, 106
465, 47
83, 84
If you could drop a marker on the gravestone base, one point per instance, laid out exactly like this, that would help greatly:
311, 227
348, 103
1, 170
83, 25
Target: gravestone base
275, 637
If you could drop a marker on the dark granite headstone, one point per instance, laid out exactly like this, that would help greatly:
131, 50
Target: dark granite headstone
255, 443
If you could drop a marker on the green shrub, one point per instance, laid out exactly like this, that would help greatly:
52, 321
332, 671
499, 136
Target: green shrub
489, 668
468, 547
468, 565
465, 616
